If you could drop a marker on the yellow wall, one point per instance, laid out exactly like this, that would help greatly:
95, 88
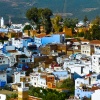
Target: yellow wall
30, 32
68, 31
22, 95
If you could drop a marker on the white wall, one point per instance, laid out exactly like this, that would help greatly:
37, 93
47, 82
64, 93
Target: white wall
85, 49
96, 95
3, 76
80, 81
10, 48
4, 60
2, 97
96, 63
17, 43
37, 81
17, 76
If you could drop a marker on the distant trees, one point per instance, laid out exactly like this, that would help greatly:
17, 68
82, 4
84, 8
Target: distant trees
13, 95
70, 23
40, 17
95, 30
69, 84
85, 19
27, 27
47, 94
57, 22
96, 20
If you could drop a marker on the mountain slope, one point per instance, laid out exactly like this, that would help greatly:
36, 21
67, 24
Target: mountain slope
72, 8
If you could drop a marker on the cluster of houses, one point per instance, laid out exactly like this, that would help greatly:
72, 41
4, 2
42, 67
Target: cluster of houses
51, 58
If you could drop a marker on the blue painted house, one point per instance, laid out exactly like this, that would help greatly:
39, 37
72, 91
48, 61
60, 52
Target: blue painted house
61, 75
54, 38
26, 40
80, 93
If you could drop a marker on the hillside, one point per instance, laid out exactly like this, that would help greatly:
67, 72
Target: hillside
72, 8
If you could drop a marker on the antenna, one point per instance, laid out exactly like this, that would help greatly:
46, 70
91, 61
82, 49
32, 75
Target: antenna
64, 8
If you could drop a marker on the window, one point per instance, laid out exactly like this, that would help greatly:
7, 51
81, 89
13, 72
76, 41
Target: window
4, 62
93, 76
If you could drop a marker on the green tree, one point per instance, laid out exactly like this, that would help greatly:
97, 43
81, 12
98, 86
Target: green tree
88, 35
47, 94
27, 27
57, 27
68, 84
95, 30
32, 15
85, 19
96, 20
81, 34
45, 15
51, 96
70, 23
8, 97
40, 17
14, 95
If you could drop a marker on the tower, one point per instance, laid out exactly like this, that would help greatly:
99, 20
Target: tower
23, 90
2, 22
9, 20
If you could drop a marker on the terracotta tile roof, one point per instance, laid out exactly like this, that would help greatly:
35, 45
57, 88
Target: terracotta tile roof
41, 35
95, 42
94, 88
12, 51
85, 40
74, 40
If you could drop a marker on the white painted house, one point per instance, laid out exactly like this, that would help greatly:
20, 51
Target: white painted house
96, 95
86, 49
37, 81
17, 43
79, 82
77, 67
96, 63
2, 97
4, 60
17, 76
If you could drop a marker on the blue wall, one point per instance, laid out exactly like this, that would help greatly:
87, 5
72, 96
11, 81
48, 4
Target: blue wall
26, 41
83, 93
2, 83
50, 39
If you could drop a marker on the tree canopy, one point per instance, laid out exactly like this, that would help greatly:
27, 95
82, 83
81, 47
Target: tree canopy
40, 16
56, 23
47, 94
27, 27
70, 23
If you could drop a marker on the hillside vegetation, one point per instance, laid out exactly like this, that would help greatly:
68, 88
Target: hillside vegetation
71, 8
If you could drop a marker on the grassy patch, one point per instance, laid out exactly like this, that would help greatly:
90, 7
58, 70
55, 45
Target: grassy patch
6, 92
